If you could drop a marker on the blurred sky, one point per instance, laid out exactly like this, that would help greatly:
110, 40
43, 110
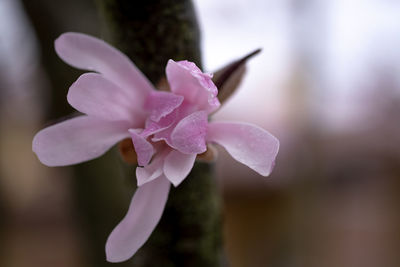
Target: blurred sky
342, 45
231, 29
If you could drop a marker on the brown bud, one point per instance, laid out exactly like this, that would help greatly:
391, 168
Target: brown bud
210, 155
127, 151
163, 85
228, 78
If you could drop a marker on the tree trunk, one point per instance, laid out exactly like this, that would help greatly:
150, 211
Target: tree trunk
150, 33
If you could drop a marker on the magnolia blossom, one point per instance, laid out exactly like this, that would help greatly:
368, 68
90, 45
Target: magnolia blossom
168, 130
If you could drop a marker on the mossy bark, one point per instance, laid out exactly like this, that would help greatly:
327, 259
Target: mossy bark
150, 33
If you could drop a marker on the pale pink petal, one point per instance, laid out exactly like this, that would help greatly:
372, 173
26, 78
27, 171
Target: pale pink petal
189, 134
164, 135
144, 213
154, 169
247, 143
153, 127
160, 104
92, 94
77, 140
186, 79
144, 150
177, 166
89, 53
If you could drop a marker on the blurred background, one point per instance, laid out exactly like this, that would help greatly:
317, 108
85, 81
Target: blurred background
327, 84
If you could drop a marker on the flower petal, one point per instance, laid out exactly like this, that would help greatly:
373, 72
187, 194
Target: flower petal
77, 140
247, 143
186, 79
86, 52
153, 127
189, 134
144, 213
161, 104
154, 169
92, 94
177, 166
144, 150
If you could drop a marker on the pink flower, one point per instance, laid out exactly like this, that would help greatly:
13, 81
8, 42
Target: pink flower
168, 130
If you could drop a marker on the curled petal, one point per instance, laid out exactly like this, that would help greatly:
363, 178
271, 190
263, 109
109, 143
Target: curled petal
153, 127
94, 95
153, 170
89, 53
164, 135
144, 213
177, 166
77, 140
247, 143
189, 134
186, 79
161, 104
144, 150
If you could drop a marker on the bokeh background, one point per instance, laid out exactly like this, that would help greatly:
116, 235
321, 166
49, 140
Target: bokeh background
327, 84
